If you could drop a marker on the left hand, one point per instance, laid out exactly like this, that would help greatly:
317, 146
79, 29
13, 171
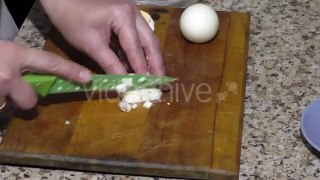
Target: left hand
15, 60
88, 26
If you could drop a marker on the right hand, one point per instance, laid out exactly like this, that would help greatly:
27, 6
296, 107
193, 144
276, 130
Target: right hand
16, 60
88, 26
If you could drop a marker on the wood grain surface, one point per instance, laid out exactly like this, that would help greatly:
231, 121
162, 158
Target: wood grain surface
192, 133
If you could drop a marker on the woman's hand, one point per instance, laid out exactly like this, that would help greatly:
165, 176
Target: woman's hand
89, 24
16, 59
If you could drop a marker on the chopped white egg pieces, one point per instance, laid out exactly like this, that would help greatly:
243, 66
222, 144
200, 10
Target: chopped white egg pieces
126, 84
131, 99
127, 81
124, 106
142, 79
142, 95
148, 19
121, 88
147, 104
134, 106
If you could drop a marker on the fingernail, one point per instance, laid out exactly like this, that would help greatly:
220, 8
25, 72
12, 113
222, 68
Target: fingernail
85, 76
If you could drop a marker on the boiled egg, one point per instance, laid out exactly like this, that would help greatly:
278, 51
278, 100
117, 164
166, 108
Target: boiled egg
148, 19
199, 23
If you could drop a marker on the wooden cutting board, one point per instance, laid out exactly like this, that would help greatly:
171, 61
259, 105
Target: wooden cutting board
196, 136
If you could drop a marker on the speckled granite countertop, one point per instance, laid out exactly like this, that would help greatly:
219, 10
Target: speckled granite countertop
283, 78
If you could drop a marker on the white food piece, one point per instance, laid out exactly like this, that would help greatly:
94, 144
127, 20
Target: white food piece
127, 81
124, 106
132, 98
147, 104
67, 122
134, 106
126, 84
142, 95
199, 23
142, 79
105, 80
121, 88
148, 19
151, 25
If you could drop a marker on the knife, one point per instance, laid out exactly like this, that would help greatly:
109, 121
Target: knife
50, 84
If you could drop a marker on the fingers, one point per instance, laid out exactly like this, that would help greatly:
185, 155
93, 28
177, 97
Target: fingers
2, 99
22, 94
44, 62
5, 85
13, 87
151, 46
130, 42
107, 59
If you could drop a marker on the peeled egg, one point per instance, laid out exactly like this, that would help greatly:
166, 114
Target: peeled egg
199, 23
148, 19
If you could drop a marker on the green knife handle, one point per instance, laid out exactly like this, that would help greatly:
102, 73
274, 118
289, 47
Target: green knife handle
41, 83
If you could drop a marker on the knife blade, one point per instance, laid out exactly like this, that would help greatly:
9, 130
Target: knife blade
51, 84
